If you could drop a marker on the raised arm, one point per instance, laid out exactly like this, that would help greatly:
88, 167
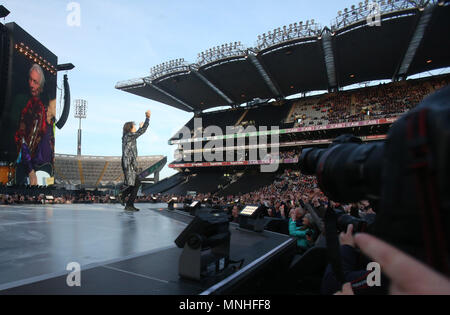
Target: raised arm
143, 128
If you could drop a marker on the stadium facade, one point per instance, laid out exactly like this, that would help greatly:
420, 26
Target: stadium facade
384, 40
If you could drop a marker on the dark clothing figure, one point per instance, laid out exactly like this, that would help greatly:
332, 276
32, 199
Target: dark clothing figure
130, 165
131, 192
35, 141
355, 272
32, 126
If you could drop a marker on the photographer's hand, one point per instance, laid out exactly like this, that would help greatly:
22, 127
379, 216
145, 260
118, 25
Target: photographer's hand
346, 290
408, 275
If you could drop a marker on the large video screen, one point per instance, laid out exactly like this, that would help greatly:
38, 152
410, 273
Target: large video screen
28, 116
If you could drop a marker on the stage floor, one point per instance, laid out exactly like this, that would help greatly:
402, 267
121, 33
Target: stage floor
42, 240
119, 252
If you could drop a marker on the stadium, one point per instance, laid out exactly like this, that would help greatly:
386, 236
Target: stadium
294, 59
288, 144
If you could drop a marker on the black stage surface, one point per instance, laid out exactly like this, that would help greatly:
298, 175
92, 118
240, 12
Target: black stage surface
124, 253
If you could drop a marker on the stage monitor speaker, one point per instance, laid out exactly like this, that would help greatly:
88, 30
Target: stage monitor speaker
252, 218
206, 245
194, 207
170, 204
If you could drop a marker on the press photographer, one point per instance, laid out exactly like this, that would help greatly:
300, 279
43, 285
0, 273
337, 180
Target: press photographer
406, 179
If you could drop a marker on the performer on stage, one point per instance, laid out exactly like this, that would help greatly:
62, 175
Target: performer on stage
129, 162
34, 137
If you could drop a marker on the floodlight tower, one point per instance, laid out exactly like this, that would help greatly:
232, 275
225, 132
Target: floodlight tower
80, 113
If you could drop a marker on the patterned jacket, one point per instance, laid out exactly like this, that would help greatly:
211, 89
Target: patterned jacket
129, 154
32, 126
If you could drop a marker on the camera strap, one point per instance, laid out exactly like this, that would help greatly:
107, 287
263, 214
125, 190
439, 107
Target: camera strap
428, 202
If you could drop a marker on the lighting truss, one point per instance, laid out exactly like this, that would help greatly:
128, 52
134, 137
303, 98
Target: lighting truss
287, 33
166, 68
359, 13
80, 109
225, 51
35, 57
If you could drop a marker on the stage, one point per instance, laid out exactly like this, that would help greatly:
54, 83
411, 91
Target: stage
122, 252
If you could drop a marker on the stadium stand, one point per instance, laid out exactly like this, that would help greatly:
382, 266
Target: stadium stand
201, 182
266, 115
164, 185
98, 171
324, 111
249, 181
221, 119
329, 60
381, 101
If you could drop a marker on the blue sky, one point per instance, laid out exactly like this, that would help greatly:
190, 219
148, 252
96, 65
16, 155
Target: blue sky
120, 40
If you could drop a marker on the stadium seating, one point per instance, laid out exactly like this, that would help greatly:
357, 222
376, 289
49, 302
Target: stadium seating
164, 185
267, 115
202, 182
249, 181
94, 171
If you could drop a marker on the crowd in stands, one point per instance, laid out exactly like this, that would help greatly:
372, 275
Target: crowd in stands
292, 198
375, 102
290, 154
17, 199
284, 199
28, 195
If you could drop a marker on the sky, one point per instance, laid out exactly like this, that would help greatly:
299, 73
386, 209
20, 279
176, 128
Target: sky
119, 40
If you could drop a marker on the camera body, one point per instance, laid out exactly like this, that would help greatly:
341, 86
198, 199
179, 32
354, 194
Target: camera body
407, 179
344, 220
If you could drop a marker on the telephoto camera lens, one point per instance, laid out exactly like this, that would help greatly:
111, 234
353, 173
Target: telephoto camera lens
348, 171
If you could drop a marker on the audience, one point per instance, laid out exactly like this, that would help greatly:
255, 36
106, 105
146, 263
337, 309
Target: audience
382, 101
304, 233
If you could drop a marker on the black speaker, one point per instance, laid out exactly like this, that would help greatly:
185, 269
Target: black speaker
65, 114
170, 204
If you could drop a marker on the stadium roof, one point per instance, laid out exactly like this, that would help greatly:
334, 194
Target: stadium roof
410, 38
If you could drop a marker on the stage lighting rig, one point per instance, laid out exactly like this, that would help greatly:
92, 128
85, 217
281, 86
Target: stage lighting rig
221, 52
166, 68
360, 13
80, 113
288, 33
